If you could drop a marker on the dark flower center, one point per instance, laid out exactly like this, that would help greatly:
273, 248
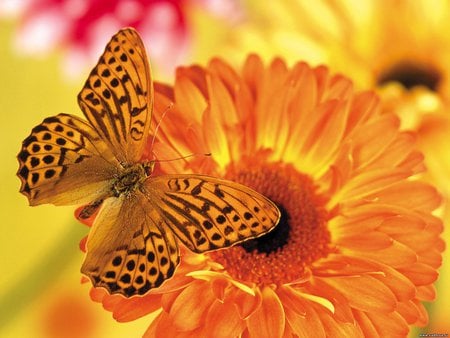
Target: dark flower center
300, 238
412, 75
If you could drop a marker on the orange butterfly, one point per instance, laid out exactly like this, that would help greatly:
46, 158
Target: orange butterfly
131, 247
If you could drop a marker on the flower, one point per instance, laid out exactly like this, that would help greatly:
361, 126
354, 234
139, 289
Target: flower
400, 48
357, 248
80, 27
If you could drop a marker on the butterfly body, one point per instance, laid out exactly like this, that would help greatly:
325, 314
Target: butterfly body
132, 246
132, 178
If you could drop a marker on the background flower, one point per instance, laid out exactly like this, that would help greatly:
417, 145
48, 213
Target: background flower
345, 259
83, 27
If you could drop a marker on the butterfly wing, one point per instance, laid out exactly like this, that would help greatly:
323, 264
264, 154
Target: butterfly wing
208, 213
117, 98
129, 250
63, 161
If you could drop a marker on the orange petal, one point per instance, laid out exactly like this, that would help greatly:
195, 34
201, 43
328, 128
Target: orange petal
401, 286
220, 101
110, 302
223, 321
423, 319
245, 303
367, 241
97, 294
269, 319
389, 324
419, 240
340, 87
215, 138
372, 140
86, 221
402, 224
398, 150
365, 105
396, 255
218, 286
82, 244
190, 99
307, 326
301, 315
367, 327
253, 72
414, 195
420, 274
369, 185
161, 327
168, 299
426, 293
409, 311
336, 328
196, 74
136, 307
327, 137
188, 310
431, 257
364, 292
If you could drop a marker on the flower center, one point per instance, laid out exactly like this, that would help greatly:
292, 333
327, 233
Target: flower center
412, 75
300, 238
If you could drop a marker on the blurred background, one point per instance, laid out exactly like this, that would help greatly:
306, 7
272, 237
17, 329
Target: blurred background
47, 47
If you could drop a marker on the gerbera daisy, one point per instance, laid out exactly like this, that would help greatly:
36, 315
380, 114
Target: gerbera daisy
357, 249
400, 48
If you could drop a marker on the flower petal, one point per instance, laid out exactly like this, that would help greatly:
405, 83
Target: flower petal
223, 321
420, 274
190, 98
368, 143
396, 255
336, 328
134, 308
364, 293
414, 195
187, 312
388, 324
308, 325
269, 319
245, 303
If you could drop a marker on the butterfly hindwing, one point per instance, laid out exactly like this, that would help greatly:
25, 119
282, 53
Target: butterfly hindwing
117, 98
128, 250
208, 213
63, 161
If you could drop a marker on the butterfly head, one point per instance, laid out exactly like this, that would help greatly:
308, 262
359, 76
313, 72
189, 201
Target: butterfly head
149, 167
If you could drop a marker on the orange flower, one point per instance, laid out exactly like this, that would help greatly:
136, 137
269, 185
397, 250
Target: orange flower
357, 249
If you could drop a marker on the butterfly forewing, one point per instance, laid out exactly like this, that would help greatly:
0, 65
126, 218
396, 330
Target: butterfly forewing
117, 98
128, 250
207, 213
64, 161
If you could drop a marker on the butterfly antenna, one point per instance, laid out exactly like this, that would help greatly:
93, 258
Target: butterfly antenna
183, 157
169, 107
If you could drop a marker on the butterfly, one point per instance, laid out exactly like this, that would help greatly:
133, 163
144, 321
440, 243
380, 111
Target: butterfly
132, 246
